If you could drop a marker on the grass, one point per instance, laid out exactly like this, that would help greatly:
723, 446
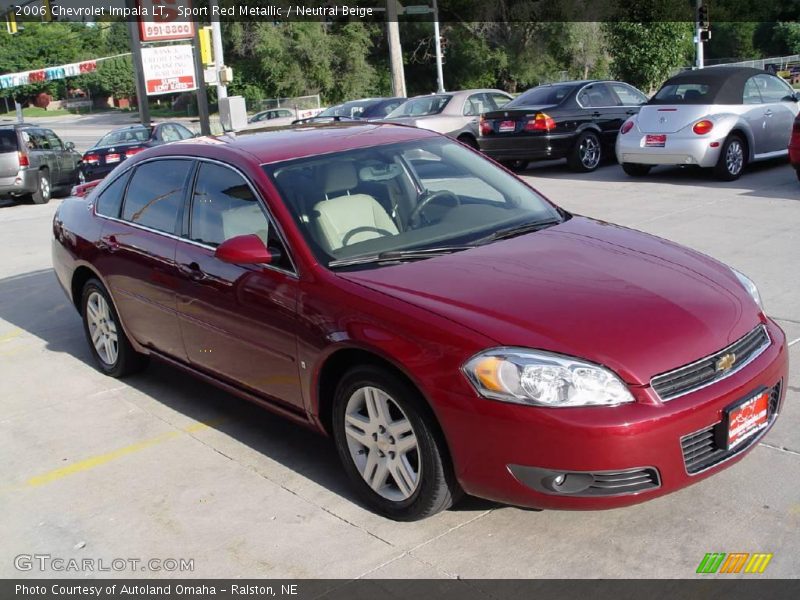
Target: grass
35, 111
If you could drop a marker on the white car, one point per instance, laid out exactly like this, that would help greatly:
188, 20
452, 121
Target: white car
718, 117
274, 117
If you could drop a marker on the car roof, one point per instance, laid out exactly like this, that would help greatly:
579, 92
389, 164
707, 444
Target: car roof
726, 83
277, 145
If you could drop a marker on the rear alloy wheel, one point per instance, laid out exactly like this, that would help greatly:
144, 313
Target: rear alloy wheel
388, 447
732, 159
43, 192
636, 170
110, 346
586, 154
468, 140
81, 177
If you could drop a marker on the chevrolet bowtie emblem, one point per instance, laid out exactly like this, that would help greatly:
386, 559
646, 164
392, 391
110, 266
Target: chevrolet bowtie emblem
726, 362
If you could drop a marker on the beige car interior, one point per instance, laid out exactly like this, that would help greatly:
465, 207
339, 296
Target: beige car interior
344, 217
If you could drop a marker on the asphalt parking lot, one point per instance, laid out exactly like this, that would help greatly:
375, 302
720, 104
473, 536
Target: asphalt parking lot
162, 466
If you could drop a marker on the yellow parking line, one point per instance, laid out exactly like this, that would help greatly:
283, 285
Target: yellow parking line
101, 459
6, 337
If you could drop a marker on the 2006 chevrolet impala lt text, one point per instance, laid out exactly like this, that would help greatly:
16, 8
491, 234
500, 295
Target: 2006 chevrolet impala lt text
450, 328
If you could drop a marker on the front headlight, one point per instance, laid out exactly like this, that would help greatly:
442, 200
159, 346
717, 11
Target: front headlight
543, 379
750, 287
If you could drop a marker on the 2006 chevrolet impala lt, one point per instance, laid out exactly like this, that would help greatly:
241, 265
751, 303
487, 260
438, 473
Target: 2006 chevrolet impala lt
450, 328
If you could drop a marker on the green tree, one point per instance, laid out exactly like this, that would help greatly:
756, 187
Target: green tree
113, 77
732, 40
645, 53
777, 39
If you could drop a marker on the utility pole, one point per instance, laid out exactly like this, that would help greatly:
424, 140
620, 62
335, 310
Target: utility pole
395, 50
438, 38
202, 93
138, 71
219, 59
701, 26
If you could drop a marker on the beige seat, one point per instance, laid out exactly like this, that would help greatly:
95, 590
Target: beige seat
344, 218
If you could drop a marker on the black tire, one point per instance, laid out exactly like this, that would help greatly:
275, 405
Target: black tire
44, 188
436, 489
127, 360
636, 170
797, 172
80, 176
729, 167
468, 140
586, 154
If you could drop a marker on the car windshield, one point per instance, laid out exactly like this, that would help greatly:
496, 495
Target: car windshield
683, 93
420, 107
348, 109
125, 136
543, 94
407, 196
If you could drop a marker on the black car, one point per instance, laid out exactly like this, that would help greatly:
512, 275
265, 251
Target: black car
34, 162
364, 109
119, 144
576, 120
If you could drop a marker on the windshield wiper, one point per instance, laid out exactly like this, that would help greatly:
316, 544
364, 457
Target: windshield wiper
509, 232
397, 255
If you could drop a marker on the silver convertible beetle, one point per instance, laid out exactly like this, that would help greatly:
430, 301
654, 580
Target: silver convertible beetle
719, 117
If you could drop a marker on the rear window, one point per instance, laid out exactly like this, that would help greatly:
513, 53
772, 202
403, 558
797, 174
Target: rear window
125, 136
684, 93
8, 140
544, 94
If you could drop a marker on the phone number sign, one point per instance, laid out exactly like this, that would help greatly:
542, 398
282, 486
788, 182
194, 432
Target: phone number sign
161, 20
168, 69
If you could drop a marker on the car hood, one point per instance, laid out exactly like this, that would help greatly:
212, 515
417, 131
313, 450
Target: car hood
636, 303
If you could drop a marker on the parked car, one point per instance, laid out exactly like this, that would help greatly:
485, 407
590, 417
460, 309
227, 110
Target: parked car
794, 146
576, 120
34, 162
119, 144
448, 326
455, 114
718, 117
274, 117
364, 109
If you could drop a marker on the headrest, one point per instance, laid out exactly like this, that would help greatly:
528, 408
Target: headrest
340, 176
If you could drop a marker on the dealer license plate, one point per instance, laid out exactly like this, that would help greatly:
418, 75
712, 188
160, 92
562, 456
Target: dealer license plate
112, 158
655, 141
506, 126
747, 418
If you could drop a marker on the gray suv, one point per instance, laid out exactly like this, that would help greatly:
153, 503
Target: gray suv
34, 162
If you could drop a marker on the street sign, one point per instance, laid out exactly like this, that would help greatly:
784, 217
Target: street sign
168, 69
163, 20
418, 9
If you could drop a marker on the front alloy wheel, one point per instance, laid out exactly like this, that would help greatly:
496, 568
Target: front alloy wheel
388, 443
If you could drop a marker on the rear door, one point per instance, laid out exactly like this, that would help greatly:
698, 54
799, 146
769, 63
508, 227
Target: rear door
600, 106
42, 153
137, 250
9, 157
238, 321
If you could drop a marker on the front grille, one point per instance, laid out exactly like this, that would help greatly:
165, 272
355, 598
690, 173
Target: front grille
700, 449
704, 372
625, 482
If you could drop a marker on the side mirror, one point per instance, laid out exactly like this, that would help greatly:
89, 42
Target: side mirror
69, 146
245, 250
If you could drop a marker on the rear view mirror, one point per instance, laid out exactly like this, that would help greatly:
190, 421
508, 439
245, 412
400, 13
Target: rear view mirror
69, 146
245, 250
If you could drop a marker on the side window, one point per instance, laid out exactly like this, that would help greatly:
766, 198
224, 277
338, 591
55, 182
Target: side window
155, 194
597, 95
110, 199
224, 206
53, 140
772, 88
284, 113
390, 107
169, 133
38, 140
751, 94
184, 132
499, 100
629, 96
474, 105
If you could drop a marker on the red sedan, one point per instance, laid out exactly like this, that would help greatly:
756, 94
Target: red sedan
450, 328
794, 146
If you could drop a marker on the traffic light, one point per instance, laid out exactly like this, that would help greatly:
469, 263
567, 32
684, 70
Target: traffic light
11, 21
206, 52
702, 17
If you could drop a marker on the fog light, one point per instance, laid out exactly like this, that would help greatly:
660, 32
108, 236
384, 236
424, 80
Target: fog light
559, 480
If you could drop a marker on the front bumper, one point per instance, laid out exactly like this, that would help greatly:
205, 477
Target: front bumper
504, 452
679, 149
26, 181
525, 147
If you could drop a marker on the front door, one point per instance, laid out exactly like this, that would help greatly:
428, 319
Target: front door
779, 110
238, 321
137, 251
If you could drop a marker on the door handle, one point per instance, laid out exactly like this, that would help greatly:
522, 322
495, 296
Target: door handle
768, 112
193, 271
596, 114
630, 112
108, 243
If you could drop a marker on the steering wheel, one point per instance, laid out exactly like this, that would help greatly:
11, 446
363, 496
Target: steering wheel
416, 213
364, 229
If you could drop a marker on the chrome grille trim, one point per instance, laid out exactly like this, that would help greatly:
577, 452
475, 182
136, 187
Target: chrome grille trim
668, 385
